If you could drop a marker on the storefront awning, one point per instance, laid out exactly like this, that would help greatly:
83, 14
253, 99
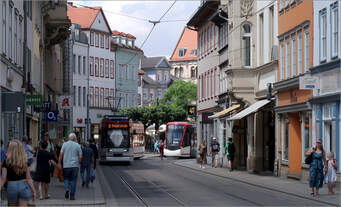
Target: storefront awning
249, 110
224, 112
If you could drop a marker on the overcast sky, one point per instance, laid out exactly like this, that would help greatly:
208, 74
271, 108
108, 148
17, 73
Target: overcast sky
164, 36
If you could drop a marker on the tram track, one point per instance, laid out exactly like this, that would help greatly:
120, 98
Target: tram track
138, 195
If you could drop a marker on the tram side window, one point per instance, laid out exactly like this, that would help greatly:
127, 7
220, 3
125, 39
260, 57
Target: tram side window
187, 138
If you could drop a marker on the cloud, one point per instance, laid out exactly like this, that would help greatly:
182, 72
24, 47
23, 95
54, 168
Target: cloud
165, 35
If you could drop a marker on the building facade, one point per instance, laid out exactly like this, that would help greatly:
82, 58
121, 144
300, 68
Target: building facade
156, 79
101, 62
128, 58
184, 57
325, 103
293, 113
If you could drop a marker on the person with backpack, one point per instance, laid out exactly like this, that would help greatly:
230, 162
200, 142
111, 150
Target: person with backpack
230, 149
215, 148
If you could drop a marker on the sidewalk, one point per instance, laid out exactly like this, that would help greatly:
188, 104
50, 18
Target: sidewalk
92, 196
288, 186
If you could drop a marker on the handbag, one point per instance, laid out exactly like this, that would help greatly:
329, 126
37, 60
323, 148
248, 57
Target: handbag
308, 160
33, 166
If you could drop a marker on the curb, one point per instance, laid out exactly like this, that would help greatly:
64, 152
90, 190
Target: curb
181, 164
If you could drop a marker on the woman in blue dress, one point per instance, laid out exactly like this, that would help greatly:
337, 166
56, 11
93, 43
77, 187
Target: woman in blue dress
317, 167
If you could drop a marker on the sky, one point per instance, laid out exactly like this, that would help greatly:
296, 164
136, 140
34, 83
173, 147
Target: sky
165, 35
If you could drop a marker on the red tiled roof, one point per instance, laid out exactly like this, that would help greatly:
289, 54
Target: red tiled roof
122, 34
83, 16
188, 40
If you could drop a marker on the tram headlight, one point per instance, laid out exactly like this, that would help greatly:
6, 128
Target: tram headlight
125, 150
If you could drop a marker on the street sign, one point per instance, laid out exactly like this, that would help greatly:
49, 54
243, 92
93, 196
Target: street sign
45, 107
52, 116
34, 100
65, 102
308, 82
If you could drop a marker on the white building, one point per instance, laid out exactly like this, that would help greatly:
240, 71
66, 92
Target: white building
101, 62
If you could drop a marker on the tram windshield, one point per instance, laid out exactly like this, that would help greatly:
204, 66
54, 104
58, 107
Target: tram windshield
174, 134
117, 138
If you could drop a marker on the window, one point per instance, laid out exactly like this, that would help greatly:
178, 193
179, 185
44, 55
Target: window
181, 75
176, 72
84, 65
107, 68
246, 45
166, 76
285, 139
15, 37
307, 133
293, 56
335, 29
145, 94
281, 61
91, 66
101, 69
223, 35
74, 63
271, 29
202, 87
96, 66
20, 43
111, 99
106, 42
323, 34
74, 95
91, 38
102, 41
79, 96
96, 39
91, 96
299, 52
281, 4
182, 52
159, 75
4, 27
127, 100
84, 96
79, 64
261, 38
101, 96
287, 58
306, 49
10, 33
127, 72
132, 72
106, 97
139, 100
112, 73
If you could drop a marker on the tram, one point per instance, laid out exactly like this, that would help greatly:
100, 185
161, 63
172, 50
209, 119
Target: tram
120, 140
180, 140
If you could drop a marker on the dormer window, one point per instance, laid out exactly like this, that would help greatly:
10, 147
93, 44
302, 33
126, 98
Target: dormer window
130, 43
182, 52
133, 43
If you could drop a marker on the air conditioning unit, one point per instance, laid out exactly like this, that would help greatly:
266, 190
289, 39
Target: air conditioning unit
10, 76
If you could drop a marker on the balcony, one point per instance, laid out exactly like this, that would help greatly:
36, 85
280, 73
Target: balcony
56, 21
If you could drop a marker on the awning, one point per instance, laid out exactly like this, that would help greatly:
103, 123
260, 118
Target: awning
249, 110
224, 112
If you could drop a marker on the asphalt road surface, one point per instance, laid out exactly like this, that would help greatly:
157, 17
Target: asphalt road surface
152, 182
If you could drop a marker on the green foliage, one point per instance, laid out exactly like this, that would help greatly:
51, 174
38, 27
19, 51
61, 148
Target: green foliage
181, 94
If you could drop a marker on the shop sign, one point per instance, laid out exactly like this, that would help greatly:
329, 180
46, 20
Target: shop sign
308, 82
52, 116
79, 121
205, 118
34, 100
99, 115
45, 107
65, 102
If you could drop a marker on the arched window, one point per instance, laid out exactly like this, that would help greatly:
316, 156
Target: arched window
181, 75
176, 72
246, 44
193, 72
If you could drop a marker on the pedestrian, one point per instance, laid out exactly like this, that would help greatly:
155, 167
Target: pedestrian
230, 150
156, 149
45, 160
86, 164
202, 152
15, 170
215, 148
71, 156
50, 148
331, 176
316, 167
161, 149
2, 153
27, 144
95, 150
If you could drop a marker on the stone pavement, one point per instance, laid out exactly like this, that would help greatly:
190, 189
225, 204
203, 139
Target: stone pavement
284, 185
92, 196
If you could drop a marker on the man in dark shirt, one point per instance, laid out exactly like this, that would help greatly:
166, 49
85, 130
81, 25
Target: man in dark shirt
94, 149
215, 148
87, 163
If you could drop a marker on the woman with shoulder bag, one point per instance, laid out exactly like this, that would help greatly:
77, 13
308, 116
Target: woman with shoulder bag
15, 169
318, 160
202, 152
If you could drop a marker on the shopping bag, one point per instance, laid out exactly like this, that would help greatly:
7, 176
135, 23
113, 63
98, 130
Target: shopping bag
59, 174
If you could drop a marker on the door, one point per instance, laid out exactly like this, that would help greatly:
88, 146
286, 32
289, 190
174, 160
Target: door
295, 144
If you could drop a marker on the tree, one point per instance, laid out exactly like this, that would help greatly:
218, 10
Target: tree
181, 94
